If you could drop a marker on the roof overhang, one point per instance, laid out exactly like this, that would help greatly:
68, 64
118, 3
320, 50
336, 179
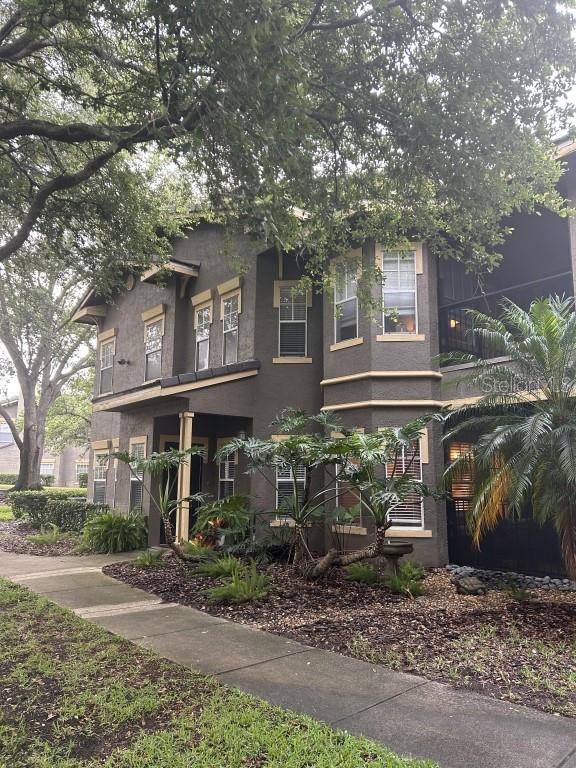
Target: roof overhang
187, 269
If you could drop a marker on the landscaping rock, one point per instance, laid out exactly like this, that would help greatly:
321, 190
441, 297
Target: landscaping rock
496, 579
469, 585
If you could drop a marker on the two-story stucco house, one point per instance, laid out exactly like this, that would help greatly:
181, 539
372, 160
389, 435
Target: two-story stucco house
213, 352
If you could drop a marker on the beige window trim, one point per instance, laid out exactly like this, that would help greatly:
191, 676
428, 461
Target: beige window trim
142, 439
163, 439
282, 523
201, 298
279, 438
230, 285
400, 337
416, 246
205, 443
424, 447
107, 335
347, 343
153, 313
278, 284
407, 533
276, 360
199, 307
100, 445
115, 443
229, 295
385, 404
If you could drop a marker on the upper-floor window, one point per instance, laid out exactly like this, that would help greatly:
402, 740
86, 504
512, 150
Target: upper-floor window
293, 316
202, 323
346, 308
230, 311
399, 292
106, 366
153, 348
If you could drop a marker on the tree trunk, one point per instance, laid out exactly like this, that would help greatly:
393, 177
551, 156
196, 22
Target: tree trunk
318, 568
32, 441
176, 548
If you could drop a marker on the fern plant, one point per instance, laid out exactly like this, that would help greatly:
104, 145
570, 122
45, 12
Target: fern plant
408, 580
245, 585
148, 559
48, 535
115, 532
220, 566
361, 572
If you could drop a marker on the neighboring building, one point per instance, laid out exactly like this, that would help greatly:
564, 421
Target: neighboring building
210, 353
65, 468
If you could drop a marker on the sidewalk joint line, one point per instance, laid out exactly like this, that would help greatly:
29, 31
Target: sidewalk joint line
567, 757
264, 661
177, 631
377, 703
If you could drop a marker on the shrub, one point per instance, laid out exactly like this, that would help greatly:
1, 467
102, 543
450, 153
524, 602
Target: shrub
246, 584
83, 479
54, 507
47, 480
194, 547
361, 572
220, 566
148, 559
115, 532
408, 580
7, 478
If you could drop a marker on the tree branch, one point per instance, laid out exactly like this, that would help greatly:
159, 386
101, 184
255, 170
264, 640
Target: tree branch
8, 419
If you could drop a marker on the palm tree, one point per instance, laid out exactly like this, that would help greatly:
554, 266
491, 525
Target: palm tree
524, 425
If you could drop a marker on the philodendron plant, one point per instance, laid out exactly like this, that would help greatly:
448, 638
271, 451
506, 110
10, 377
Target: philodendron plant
164, 467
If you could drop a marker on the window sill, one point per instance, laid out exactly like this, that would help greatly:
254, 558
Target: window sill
276, 360
289, 523
346, 344
350, 530
401, 337
408, 533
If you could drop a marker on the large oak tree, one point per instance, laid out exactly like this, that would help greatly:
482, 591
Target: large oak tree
430, 116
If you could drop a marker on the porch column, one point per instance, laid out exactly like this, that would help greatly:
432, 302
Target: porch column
182, 513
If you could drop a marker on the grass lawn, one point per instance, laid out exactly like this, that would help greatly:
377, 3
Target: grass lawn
6, 513
72, 695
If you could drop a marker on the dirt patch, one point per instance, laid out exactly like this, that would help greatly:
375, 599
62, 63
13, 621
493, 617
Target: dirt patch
14, 538
521, 652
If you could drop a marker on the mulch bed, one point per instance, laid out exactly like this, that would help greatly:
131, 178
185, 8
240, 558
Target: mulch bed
524, 652
14, 538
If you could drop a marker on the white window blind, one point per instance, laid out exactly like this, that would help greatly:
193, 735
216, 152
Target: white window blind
399, 292
409, 514
293, 316
138, 451
226, 476
100, 478
285, 488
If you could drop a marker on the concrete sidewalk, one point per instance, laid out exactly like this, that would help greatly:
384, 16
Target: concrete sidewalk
409, 714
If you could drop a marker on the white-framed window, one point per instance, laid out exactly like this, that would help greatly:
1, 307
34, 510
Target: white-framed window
226, 476
399, 295
153, 348
203, 318
346, 308
230, 312
138, 451
285, 488
100, 477
47, 469
409, 514
81, 469
106, 366
293, 323
6, 435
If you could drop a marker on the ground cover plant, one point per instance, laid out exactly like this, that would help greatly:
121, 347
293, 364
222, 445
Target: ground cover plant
6, 512
74, 696
521, 651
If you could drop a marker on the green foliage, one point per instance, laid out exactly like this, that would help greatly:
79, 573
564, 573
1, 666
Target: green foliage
522, 446
7, 478
65, 507
50, 534
361, 572
516, 593
245, 585
219, 567
47, 480
115, 532
149, 559
193, 547
408, 580
229, 516
83, 480
69, 418
6, 513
